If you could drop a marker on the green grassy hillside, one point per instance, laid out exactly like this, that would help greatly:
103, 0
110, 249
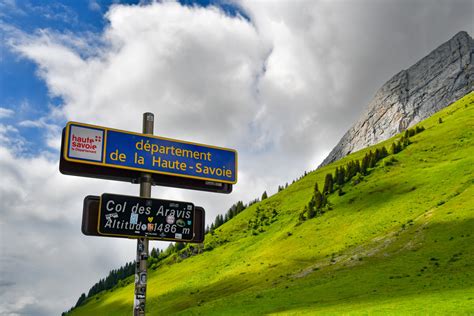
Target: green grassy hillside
401, 241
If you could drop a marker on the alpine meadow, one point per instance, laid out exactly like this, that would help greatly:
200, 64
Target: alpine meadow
236, 157
393, 237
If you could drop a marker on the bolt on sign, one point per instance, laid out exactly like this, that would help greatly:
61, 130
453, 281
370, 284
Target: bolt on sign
133, 217
95, 151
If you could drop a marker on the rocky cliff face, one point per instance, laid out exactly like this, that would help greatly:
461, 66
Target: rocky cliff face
437, 80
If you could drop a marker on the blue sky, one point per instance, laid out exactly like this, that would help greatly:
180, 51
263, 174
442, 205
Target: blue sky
21, 88
279, 81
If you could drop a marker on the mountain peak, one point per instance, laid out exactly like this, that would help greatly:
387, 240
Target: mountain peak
461, 34
437, 80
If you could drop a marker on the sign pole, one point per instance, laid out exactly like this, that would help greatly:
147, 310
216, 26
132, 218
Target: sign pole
142, 243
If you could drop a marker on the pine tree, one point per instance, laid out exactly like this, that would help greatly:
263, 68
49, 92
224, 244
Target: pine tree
179, 246
264, 195
351, 169
348, 171
377, 154
365, 165
318, 200
372, 160
170, 249
81, 300
340, 176
218, 221
393, 148
406, 142
328, 184
240, 207
356, 166
324, 201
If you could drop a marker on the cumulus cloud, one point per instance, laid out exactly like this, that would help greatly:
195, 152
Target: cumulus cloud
281, 88
6, 113
196, 69
10, 138
40, 238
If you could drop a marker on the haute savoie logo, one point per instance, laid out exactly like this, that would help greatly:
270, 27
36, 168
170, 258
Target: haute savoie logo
85, 143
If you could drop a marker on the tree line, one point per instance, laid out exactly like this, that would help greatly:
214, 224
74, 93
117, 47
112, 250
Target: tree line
113, 278
354, 171
220, 219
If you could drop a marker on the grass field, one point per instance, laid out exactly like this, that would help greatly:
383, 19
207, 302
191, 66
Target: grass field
400, 242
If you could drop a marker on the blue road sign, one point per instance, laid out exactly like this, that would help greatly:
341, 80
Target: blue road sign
102, 146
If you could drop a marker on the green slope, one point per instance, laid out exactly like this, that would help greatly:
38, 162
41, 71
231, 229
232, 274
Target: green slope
401, 241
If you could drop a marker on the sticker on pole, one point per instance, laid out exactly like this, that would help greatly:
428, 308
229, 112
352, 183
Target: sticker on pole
129, 216
110, 148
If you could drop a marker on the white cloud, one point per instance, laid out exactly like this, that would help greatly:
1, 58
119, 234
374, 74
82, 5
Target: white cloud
10, 7
4, 112
40, 220
196, 69
55, 11
10, 138
208, 78
52, 132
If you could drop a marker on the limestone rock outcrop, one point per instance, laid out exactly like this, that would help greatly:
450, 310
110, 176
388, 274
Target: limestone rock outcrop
442, 77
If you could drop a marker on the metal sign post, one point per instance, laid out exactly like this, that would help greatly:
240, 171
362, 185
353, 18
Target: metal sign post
142, 243
110, 154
